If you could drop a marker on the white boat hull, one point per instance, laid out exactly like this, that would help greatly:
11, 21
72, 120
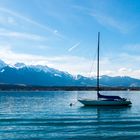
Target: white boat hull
104, 102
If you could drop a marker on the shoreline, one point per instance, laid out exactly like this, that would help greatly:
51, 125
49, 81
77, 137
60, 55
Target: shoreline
9, 87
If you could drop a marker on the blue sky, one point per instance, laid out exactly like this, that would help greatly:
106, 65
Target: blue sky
63, 34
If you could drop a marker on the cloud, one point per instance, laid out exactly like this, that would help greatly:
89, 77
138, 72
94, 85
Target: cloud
126, 72
11, 20
20, 35
72, 64
131, 59
107, 20
132, 47
28, 20
7, 20
74, 46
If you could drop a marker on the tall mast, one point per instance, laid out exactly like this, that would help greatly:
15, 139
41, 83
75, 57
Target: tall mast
98, 67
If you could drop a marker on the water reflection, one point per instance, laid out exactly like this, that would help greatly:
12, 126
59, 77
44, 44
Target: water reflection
106, 111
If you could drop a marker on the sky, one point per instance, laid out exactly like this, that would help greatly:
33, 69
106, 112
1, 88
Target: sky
62, 34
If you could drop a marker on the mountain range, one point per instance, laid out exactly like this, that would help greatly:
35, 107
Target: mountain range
46, 76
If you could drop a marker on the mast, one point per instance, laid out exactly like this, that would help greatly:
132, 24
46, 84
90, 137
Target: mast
98, 67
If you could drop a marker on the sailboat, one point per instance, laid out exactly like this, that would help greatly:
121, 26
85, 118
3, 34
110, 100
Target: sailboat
104, 100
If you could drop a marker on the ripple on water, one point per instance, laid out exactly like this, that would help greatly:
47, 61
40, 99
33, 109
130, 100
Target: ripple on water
48, 116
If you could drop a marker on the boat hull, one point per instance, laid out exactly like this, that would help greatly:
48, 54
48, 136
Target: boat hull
105, 103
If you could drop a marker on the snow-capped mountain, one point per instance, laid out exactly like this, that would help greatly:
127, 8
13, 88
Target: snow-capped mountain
19, 65
34, 75
2, 64
46, 76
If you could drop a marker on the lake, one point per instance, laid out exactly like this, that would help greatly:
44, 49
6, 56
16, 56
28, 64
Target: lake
48, 115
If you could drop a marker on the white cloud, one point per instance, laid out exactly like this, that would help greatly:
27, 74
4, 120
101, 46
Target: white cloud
132, 47
72, 64
131, 59
7, 20
21, 35
74, 46
28, 20
107, 20
11, 20
126, 72
43, 47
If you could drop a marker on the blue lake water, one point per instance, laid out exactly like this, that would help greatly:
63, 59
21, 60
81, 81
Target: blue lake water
47, 115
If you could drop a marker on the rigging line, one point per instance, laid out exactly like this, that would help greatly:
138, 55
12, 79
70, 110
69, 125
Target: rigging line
92, 64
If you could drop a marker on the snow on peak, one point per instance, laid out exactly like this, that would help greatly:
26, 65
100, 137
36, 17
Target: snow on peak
2, 64
57, 75
19, 65
2, 70
40, 68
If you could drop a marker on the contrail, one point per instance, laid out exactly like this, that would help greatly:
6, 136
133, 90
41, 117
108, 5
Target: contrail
74, 46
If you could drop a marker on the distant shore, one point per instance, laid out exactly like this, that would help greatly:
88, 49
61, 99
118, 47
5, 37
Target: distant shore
21, 87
